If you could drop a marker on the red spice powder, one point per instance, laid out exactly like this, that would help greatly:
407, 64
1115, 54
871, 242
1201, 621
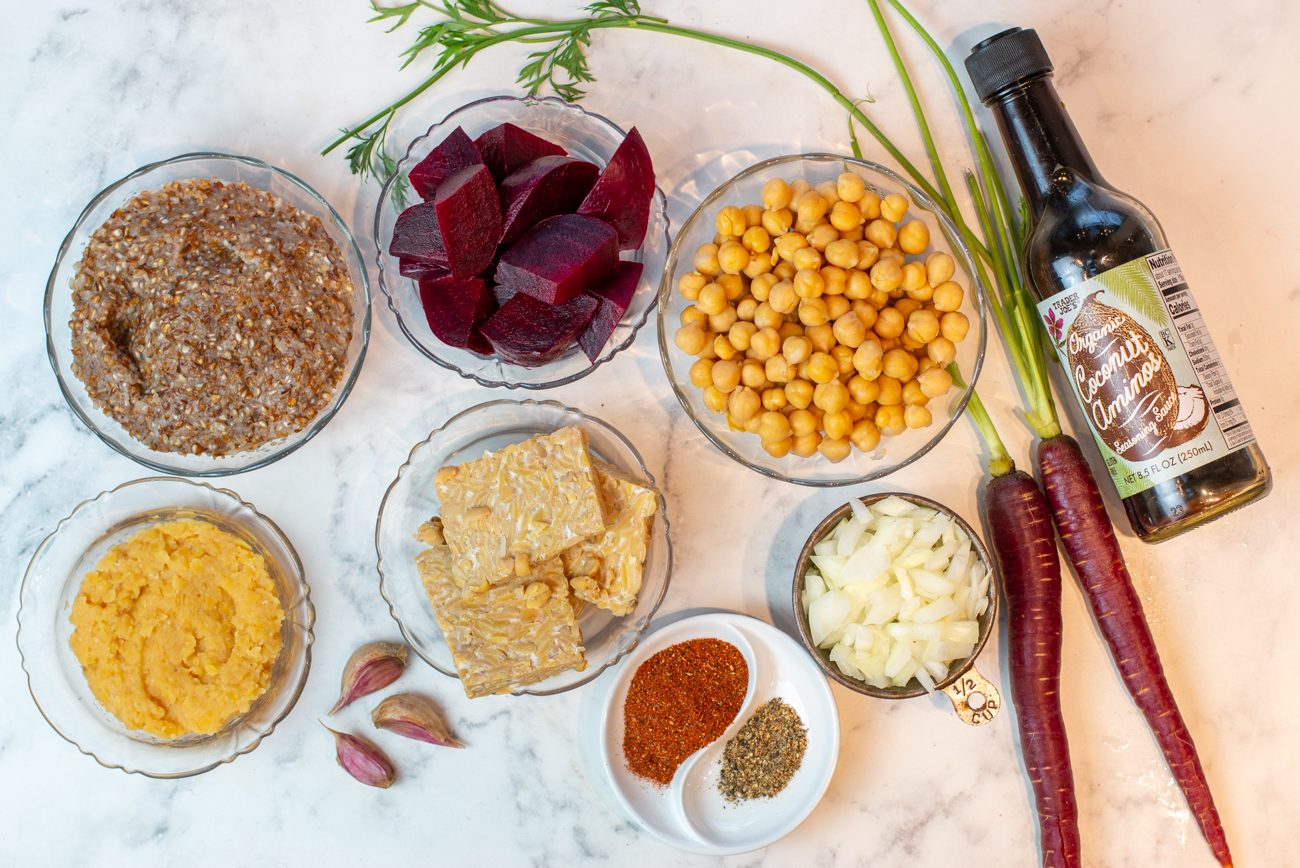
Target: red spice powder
680, 700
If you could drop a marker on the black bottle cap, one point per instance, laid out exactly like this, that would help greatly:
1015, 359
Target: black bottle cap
1004, 59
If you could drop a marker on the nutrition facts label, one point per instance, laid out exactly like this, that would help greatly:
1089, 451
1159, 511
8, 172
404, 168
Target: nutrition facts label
1186, 317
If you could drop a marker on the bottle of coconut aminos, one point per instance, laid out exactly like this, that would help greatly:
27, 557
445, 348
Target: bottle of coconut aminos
1122, 318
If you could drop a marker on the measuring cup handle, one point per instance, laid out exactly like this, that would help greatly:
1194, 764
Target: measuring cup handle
974, 698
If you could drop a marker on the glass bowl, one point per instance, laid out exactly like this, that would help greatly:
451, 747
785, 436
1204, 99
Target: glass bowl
54, 674
584, 135
411, 500
58, 305
893, 452
974, 698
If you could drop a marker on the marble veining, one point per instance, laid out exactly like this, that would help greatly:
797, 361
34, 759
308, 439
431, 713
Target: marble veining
1186, 107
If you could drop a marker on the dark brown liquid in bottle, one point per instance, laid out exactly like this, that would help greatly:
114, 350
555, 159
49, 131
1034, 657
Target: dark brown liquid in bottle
1084, 227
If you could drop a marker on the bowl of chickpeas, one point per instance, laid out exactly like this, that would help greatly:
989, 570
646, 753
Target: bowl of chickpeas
812, 314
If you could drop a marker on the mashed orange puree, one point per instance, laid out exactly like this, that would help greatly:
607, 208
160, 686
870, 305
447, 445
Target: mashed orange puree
177, 628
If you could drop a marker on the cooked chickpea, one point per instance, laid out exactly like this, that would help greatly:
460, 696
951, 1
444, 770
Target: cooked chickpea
796, 349
878, 299
822, 337
753, 373
859, 286
774, 426
869, 359
868, 254
917, 416
812, 311
777, 369
856, 411
807, 259
836, 306
939, 267
869, 205
799, 393
784, 270
843, 357
790, 330
782, 297
845, 216
780, 449
890, 323
948, 296
865, 312
893, 254
714, 400
914, 237
722, 348
693, 314
900, 364
722, 322
777, 222
829, 191
755, 422
743, 404
809, 284
733, 257
941, 351
690, 284
705, 260
913, 394
890, 420
761, 285
923, 327
712, 300
732, 284
765, 317
721, 239
891, 391
690, 339
745, 308
886, 275
788, 244
774, 399
862, 390
821, 235
843, 254
865, 436
887, 344
726, 376
905, 307
756, 239
954, 326
776, 194
922, 293
835, 449
909, 342
834, 280
765, 343
740, 334
701, 373
759, 264
850, 186
802, 423
854, 234
934, 382
708, 351
731, 221
881, 233
893, 207
831, 397
806, 447
849, 330
822, 367
811, 207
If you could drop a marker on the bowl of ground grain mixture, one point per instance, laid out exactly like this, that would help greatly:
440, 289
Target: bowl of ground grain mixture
207, 314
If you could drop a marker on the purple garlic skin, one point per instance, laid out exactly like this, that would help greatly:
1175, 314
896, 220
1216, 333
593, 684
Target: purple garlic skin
371, 667
363, 760
412, 716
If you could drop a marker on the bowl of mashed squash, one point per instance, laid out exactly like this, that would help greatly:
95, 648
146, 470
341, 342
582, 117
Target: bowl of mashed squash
165, 627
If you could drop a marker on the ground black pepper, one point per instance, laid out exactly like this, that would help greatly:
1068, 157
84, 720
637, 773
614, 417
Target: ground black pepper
762, 758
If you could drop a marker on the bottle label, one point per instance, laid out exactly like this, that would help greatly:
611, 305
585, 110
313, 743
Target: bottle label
1146, 373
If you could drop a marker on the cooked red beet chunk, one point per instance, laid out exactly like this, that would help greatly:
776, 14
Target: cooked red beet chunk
621, 196
451, 155
417, 270
507, 147
614, 296
543, 188
529, 333
469, 215
455, 308
417, 236
560, 258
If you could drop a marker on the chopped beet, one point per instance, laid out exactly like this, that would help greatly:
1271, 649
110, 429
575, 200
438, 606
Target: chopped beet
507, 147
529, 333
455, 308
416, 236
621, 197
503, 294
469, 215
614, 296
560, 258
417, 270
453, 154
543, 188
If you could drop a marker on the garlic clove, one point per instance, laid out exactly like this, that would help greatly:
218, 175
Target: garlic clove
363, 760
414, 717
371, 667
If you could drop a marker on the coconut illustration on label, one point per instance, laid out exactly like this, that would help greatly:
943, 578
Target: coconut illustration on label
1127, 386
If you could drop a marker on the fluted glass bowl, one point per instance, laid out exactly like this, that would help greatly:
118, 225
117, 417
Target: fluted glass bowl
584, 135
893, 452
54, 674
59, 305
411, 500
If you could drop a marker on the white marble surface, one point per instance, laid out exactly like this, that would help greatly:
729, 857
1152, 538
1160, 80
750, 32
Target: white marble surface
1185, 105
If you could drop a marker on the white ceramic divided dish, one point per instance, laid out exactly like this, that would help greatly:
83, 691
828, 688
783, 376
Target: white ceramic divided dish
690, 814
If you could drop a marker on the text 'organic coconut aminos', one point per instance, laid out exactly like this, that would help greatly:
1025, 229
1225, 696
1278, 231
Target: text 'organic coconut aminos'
1138, 356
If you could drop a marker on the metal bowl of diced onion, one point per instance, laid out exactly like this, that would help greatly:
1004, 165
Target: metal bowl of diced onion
894, 597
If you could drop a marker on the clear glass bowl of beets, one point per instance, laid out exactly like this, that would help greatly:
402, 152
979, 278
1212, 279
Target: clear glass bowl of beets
529, 245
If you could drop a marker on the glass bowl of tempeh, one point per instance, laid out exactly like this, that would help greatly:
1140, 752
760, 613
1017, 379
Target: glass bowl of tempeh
894, 596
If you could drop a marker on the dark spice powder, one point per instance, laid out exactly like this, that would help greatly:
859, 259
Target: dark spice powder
764, 755
680, 700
